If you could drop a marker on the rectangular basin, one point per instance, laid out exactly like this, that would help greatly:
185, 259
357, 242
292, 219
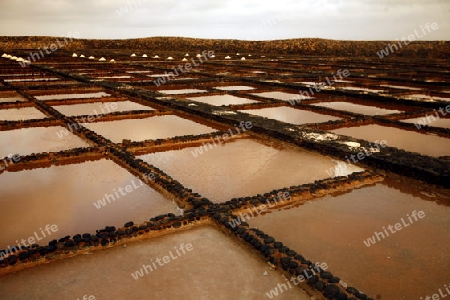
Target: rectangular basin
38, 139
158, 127
216, 267
78, 198
291, 115
238, 168
408, 140
98, 108
407, 264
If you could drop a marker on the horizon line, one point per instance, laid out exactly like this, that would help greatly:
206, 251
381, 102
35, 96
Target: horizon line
216, 39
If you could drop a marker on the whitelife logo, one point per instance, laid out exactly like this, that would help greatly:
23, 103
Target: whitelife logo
428, 119
165, 260
10, 160
123, 190
35, 56
391, 48
281, 287
49, 229
319, 86
106, 108
439, 296
243, 217
397, 226
222, 138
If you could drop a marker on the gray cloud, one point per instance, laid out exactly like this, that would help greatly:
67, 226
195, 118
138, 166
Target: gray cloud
241, 19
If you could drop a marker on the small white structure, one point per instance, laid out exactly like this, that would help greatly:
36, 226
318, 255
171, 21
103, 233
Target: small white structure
144, 55
187, 54
198, 55
156, 56
237, 53
20, 59
243, 58
13, 58
102, 59
4, 55
112, 61
133, 55
184, 59
212, 56
91, 57
249, 55
227, 57
74, 55
82, 56
170, 58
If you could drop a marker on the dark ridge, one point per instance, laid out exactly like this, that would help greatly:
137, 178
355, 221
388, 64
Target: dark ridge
302, 46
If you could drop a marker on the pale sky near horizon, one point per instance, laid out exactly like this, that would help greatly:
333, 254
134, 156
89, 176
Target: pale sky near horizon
230, 19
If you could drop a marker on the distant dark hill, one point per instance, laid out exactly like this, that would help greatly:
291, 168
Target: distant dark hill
304, 46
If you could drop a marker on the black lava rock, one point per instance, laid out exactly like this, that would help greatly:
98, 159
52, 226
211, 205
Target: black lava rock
332, 290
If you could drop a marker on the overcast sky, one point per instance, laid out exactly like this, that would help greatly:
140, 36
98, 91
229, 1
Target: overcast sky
229, 19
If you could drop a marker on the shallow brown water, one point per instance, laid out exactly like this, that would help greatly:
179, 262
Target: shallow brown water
99, 108
444, 123
409, 140
39, 139
282, 96
216, 267
357, 108
156, 127
219, 100
290, 115
65, 196
234, 88
32, 79
407, 264
10, 96
24, 113
11, 99
182, 91
241, 168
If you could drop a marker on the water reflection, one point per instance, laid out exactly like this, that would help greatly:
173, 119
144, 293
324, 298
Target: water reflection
108, 270
182, 91
242, 168
38, 139
72, 96
64, 195
99, 108
282, 96
24, 113
219, 100
291, 115
430, 120
158, 127
357, 108
234, 88
409, 140
404, 265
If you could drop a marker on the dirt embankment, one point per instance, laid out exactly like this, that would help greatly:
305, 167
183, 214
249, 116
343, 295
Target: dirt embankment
304, 46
